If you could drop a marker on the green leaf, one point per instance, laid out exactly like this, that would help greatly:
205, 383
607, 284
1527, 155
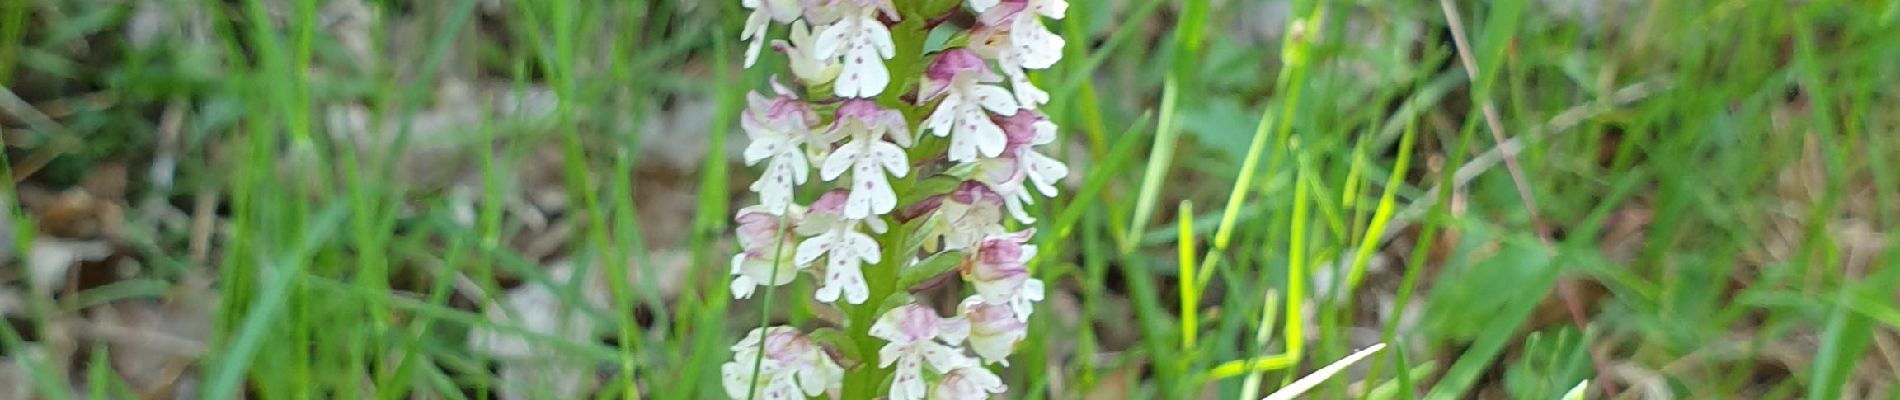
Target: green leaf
837, 340
1223, 125
917, 234
895, 300
932, 186
930, 268
1499, 297
1843, 341
961, 170
250, 335
88, 22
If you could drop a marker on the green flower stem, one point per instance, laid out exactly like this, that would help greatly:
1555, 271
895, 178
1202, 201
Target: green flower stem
864, 380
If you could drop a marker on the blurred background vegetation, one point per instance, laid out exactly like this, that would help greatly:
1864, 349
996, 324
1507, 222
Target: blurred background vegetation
531, 199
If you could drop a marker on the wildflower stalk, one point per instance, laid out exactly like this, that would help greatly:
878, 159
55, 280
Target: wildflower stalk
921, 155
908, 36
861, 382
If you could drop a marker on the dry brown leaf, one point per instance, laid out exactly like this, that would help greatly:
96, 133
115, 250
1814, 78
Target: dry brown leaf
152, 345
1121, 383
72, 214
49, 261
74, 226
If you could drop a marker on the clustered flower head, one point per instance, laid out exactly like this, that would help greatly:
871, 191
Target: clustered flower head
792, 366
972, 102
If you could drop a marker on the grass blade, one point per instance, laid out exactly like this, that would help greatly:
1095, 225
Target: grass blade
235, 361
1308, 382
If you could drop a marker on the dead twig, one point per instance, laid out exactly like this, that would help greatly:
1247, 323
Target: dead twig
165, 159
17, 108
11, 105
203, 223
61, 108
460, 282
142, 338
